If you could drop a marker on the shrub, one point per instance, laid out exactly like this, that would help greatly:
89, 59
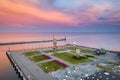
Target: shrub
101, 51
46, 56
79, 57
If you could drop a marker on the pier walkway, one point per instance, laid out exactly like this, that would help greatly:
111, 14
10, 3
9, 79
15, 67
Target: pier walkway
26, 42
30, 70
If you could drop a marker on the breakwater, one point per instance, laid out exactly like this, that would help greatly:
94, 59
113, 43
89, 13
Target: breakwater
26, 42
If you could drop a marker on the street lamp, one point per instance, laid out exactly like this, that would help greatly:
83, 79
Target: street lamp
54, 45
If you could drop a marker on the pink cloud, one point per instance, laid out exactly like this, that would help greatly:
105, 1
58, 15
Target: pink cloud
13, 12
34, 13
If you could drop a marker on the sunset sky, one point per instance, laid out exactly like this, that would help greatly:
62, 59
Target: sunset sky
59, 15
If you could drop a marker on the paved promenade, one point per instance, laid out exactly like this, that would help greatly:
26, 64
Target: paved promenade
34, 72
29, 69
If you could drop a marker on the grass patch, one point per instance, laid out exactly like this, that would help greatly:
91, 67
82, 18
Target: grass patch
108, 69
70, 57
37, 58
82, 50
104, 67
50, 66
86, 51
51, 50
114, 63
31, 53
71, 48
89, 56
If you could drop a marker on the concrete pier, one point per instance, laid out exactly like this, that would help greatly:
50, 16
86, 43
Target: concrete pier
26, 69
26, 42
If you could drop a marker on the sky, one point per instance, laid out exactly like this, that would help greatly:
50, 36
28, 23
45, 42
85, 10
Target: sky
59, 16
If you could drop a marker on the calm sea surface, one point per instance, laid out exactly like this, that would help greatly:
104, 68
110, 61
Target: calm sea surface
97, 40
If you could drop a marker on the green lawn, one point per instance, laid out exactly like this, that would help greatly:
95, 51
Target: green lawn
31, 53
108, 69
104, 68
70, 57
114, 63
51, 50
86, 51
50, 66
71, 48
82, 50
37, 58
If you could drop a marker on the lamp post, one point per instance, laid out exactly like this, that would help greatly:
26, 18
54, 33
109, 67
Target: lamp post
54, 45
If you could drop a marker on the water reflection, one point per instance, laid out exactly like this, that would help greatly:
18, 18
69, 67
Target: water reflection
6, 70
